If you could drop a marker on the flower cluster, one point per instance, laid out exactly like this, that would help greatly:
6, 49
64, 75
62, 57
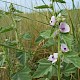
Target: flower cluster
63, 28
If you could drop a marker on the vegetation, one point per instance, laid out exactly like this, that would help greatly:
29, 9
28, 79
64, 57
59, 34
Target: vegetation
27, 40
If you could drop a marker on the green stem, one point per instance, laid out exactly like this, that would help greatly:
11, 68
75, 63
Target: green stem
8, 62
58, 58
73, 4
53, 7
16, 31
58, 67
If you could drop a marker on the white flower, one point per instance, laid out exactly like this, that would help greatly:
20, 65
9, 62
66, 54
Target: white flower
64, 27
52, 21
64, 48
53, 58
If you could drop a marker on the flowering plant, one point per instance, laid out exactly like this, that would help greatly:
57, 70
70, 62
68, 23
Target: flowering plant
54, 56
64, 58
58, 62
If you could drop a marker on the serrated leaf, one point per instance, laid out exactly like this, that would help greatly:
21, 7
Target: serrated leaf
44, 68
23, 75
42, 7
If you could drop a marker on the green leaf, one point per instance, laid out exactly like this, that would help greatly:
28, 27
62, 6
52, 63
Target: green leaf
72, 57
75, 61
49, 43
71, 54
22, 57
42, 7
23, 75
39, 39
11, 43
26, 36
60, 1
6, 29
46, 34
18, 11
44, 68
68, 69
68, 55
68, 39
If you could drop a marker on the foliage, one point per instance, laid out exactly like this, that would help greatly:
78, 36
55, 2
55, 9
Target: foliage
24, 55
44, 68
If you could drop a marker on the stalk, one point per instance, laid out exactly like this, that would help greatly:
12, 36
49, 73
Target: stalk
16, 31
8, 62
59, 58
53, 7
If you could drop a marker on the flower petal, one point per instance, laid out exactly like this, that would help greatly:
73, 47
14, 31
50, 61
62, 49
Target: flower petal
55, 55
52, 21
64, 48
64, 27
51, 58
54, 60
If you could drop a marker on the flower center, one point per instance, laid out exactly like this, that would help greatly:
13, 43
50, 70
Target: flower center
64, 48
52, 56
63, 28
51, 21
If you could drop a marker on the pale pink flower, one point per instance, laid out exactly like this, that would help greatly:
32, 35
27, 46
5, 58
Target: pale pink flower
64, 27
64, 47
53, 58
52, 21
